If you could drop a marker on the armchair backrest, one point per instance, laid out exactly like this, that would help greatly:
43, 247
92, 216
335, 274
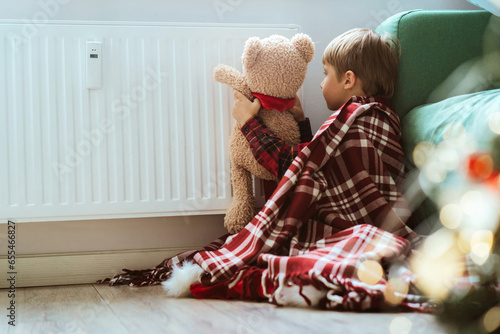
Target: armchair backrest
433, 44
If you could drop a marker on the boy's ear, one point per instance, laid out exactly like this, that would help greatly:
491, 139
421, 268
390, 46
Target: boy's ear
349, 79
304, 44
252, 49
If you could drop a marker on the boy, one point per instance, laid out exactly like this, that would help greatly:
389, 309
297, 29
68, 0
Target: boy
356, 63
346, 181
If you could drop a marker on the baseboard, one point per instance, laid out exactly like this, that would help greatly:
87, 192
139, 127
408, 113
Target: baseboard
80, 268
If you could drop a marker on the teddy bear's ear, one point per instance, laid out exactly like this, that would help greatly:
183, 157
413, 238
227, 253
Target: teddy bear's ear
252, 48
305, 45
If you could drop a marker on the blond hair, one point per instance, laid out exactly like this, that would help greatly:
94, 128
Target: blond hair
372, 58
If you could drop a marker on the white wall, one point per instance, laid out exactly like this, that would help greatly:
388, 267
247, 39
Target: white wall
321, 19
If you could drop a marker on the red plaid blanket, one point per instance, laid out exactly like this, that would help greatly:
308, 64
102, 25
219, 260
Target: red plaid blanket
349, 174
337, 206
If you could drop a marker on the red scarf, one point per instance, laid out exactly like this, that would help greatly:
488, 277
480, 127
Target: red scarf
274, 103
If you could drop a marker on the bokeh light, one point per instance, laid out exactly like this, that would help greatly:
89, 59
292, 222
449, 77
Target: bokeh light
482, 236
396, 290
491, 319
438, 243
435, 172
494, 122
438, 264
471, 202
481, 166
480, 208
481, 244
463, 241
422, 153
370, 272
447, 156
400, 325
451, 215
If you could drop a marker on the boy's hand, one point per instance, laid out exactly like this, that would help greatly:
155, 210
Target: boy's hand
297, 110
243, 108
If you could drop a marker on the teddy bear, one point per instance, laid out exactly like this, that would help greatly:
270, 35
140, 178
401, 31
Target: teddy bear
274, 69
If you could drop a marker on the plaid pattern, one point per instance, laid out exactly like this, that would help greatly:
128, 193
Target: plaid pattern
327, 262
333, 261
270, 151
348, 175
305, 137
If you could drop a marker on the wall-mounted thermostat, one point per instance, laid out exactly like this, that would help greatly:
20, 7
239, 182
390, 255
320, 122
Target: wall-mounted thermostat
94, 65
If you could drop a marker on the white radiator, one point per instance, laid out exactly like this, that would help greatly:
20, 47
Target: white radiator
152, 141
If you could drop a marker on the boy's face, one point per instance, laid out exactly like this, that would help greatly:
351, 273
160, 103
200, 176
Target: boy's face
333, 88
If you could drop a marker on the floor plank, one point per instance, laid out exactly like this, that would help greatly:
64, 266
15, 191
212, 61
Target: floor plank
366, 322
62, 309
161, 313
266, 318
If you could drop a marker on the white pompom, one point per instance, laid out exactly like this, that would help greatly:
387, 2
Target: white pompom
181, 279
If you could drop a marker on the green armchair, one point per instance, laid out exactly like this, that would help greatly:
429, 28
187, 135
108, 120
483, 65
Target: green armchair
449, 78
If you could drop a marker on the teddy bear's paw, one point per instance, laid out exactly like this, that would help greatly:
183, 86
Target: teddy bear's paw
233, 224
232, 227
237, 217
224, 73
181, 279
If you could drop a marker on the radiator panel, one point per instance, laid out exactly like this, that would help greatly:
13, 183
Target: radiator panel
151, 142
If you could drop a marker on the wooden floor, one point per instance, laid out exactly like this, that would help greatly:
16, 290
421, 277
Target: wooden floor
123, 309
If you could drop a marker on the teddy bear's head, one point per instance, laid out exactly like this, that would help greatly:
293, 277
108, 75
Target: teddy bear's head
277, 66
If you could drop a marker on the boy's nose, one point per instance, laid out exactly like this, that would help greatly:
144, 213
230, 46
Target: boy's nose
321, 84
